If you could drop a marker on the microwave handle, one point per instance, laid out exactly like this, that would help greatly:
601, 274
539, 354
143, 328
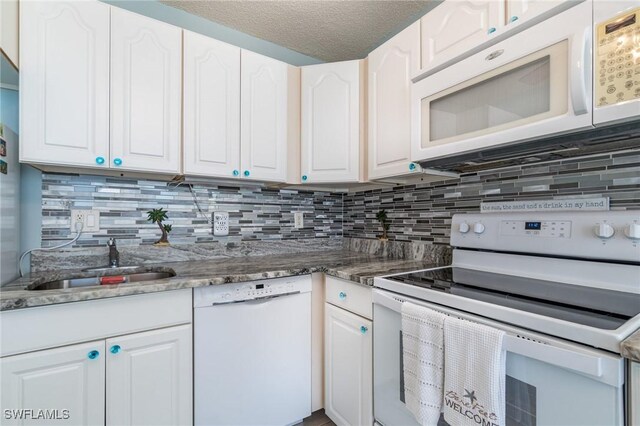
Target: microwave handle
581, 61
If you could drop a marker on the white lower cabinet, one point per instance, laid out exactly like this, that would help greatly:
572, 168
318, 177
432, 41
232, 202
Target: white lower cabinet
348, 367
68, 383
149, 378
134, 365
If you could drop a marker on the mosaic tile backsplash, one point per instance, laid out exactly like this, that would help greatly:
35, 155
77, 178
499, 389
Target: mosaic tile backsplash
420, 213
255, 213
423, 212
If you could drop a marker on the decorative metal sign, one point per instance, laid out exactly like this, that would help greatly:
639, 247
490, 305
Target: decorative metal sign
566, 204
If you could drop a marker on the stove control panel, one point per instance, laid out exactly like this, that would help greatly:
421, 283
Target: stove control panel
536, 228
607, 235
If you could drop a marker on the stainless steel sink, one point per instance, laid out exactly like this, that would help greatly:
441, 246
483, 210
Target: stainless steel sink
103, 280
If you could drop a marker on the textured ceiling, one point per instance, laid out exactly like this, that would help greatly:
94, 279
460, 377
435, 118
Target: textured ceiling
328, 30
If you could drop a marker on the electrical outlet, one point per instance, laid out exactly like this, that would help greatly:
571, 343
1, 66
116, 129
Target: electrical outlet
298, 220
90, 220
220, 224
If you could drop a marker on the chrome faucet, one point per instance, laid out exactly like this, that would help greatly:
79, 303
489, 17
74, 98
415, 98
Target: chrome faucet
114, 255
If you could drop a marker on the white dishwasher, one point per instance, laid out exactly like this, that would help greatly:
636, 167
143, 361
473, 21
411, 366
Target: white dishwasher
252, 352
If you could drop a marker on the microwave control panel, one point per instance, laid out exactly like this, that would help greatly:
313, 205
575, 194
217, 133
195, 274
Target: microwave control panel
617, 64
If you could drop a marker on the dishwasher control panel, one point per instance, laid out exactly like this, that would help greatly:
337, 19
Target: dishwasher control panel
217, 294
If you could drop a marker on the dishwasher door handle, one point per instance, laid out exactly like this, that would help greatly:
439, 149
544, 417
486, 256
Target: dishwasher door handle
257, 300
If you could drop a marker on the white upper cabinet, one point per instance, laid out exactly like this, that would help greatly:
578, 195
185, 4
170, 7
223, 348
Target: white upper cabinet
68, 378
454, 27
522, 10
149, 378
268, 133
64, 83
390, 69
332, 122
146, 93
211, 107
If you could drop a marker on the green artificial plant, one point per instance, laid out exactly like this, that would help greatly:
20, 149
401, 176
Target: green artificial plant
158, 216
381, 216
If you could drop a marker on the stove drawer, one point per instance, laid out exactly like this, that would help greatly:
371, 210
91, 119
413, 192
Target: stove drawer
348, 295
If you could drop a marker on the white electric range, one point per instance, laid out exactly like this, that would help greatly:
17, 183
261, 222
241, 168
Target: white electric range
565, 286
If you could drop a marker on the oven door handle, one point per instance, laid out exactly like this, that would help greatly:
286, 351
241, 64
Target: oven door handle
581, 63
570, 360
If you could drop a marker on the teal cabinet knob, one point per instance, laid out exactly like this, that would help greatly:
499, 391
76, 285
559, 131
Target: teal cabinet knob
93, 354
514, 18
117, 161
491, 30
100, 160
342, 295
115, 349
304, 178
363, 329
412, 166
246, 173
236, 173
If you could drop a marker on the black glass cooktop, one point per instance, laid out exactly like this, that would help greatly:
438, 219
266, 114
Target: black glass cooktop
589, 306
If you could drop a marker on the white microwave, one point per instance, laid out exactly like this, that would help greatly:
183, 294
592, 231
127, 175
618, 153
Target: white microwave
534, 84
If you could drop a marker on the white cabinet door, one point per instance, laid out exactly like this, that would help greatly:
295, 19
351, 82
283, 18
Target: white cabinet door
68, 382
264, 119
522, 10
454, 27
211, 107
391, 67
331, 122
348, 368
146, 93
149, 378
64, 83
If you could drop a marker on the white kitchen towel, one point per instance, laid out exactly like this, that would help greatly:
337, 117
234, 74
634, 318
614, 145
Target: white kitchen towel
423, 362
474, 383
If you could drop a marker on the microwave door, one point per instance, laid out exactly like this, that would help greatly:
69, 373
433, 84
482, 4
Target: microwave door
516, 94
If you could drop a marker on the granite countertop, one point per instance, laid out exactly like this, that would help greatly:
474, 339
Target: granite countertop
348, 265
630, 347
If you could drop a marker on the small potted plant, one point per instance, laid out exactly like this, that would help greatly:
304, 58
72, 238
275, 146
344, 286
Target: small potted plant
381, 216
158, 216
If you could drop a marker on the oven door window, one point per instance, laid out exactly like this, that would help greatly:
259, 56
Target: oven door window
524, 91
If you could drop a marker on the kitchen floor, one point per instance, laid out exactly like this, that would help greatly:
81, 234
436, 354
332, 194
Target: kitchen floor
318, 418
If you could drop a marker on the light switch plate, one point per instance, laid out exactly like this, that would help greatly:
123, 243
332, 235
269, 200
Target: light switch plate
298, 220
90, 220
220, 224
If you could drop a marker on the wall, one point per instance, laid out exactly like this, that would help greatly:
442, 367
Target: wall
180, 18
423, 212
9, 187
256, 213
